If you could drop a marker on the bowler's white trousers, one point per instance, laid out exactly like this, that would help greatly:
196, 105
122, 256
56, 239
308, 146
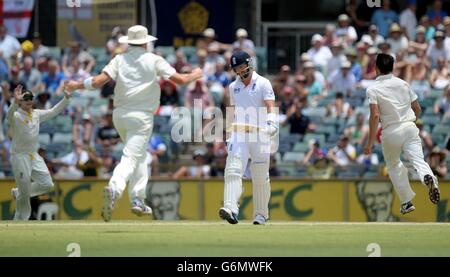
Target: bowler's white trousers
135, 129
28, 167
395, 139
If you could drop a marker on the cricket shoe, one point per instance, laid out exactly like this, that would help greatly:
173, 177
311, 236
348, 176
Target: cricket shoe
228, 215
433, 189
139, 208
259, 220
15, 193
109, 198
407, 208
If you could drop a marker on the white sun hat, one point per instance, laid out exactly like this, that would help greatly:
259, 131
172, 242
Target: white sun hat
137, 35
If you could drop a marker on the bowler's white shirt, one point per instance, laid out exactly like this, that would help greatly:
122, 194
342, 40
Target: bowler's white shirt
251, 99
393, 97
135, 73
25, 126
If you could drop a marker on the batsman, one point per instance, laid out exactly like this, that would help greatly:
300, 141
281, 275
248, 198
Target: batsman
254, 117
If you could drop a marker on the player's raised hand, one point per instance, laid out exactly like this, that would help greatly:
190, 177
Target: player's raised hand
71, 86
198, 73
67, 92
18, 93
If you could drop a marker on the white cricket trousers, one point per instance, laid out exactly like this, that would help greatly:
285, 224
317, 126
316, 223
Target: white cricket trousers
135, 129
395, 139
240, 149
32, 179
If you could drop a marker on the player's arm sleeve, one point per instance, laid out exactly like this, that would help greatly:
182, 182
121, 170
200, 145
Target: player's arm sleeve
45, 115
112, 68
231, 92
412, 94
163, 68
10, 115
372, 96
268, 93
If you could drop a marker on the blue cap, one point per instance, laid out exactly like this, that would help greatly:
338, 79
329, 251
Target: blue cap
239, 58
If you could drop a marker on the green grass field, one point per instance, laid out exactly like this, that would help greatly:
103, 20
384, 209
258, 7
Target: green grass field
188, 238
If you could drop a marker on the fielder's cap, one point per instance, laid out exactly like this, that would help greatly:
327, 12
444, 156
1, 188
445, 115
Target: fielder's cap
446, 20
209, 33
316, 38
241, 33
137, 35
421, 29
343, 17
346, 65
395, 28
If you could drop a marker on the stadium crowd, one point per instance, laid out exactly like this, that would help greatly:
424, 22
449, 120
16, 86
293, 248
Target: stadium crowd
323, 106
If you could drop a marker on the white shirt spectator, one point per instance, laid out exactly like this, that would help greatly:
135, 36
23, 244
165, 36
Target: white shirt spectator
399, 44
9, 46
320, 56
341, 157
136, 86
374, 42
408, 21
434, 53
334, 64
348, 32
393, 97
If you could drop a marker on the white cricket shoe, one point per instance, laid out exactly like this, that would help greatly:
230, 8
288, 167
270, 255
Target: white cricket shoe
109, 198
15, 193
259, 220
139, 208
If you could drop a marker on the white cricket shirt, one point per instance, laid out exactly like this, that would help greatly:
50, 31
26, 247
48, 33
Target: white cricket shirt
135, 73
25, 126
248, 101
393, 97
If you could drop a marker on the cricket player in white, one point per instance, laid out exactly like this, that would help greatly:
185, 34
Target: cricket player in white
249, 94
30, 171
395, 105
136, 99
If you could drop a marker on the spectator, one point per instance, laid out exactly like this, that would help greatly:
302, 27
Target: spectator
242, 42
107, 133
218, 165
355, 68
425, 137
437, 162
39, 50
4, 68
345, 31
300, 123
209, 38
9, 45
220, 75
447, 31
15, 80
83, 128
53, 80
358, 133
92, 166
438, 49
384, 17
198, 96
330, 35
436, 14
112, 45
200, 170
283, 75
340, 108
314, 154
157, 149
420, 42
30, 76
442, 107
439, 76
75, 52
169, 93
273, 170
430, 30
408, 19
385, 48
396, 39
313, 88
343, 80
75, 71
68, 164
180, 60
373, 38
369, 72
419, 72
334, 63
361, 55
319, 54
344, 153
42, 101
356, 16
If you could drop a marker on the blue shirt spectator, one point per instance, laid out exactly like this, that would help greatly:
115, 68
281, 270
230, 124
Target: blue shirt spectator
383, 18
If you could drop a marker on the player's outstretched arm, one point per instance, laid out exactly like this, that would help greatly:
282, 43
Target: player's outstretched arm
14, 105
90, 83
183, 79
45, 115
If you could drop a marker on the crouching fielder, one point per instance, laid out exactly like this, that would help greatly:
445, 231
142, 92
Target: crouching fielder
394, 104
30, 171
250, 138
